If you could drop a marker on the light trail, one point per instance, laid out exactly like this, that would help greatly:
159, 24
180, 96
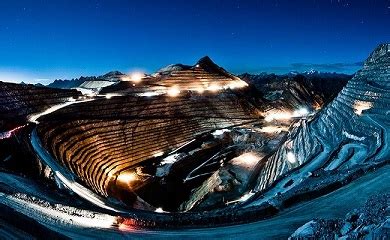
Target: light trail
286, 115
8, 134
45, 212
34, 117
65, 177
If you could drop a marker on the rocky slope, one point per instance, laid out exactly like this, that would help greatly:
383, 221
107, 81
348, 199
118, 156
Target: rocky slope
203, 77
17, 101
104, 140
295, 90
106, 137
371, 221
349, 133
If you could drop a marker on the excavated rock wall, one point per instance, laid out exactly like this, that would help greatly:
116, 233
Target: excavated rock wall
353, 129
99, 139
17, 101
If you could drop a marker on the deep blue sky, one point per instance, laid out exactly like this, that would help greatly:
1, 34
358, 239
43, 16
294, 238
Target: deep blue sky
64, 39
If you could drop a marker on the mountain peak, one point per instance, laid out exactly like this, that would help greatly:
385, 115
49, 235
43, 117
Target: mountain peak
205, 61
113, 73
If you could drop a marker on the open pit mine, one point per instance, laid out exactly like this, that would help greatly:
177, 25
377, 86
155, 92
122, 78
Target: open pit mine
196, 147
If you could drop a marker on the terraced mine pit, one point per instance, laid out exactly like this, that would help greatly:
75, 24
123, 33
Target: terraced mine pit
193, 145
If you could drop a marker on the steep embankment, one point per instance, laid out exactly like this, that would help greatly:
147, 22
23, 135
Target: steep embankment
100, 139
17, 101
298, 90
351, 132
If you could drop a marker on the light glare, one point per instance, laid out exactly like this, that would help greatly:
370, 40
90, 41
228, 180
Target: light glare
173, 91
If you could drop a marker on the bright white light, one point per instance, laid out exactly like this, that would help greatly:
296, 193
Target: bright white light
159, 210
127, 177
199, 90
173, 91
278, 116
214, 87
170, 159
360, 106
282, 115
273, 129
148, 94
34, 117
291, 157
301, 112
219, 132
136, 77
237, 84
247, 160
158, 154
246, 196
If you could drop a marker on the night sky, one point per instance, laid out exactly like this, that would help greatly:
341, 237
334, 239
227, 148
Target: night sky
44, 40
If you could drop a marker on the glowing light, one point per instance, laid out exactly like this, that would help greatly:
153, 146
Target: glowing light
291, 157
170, 159
246, 196
136, 77
110, 95
250, 157
360, 106
173, 91
301, 112
159, 154
127, 177
237, 84
214, 87
148, 94
282, 115
219, 132
159, 210
33, 118
199, 90
128, 225
243, 198
273, 129
247, 160
8, 134
278, 116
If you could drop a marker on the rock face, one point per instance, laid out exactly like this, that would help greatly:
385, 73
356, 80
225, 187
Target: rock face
298, 90
371, 221
17, 101
101, 140
351, 131
204, 76
98, 140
